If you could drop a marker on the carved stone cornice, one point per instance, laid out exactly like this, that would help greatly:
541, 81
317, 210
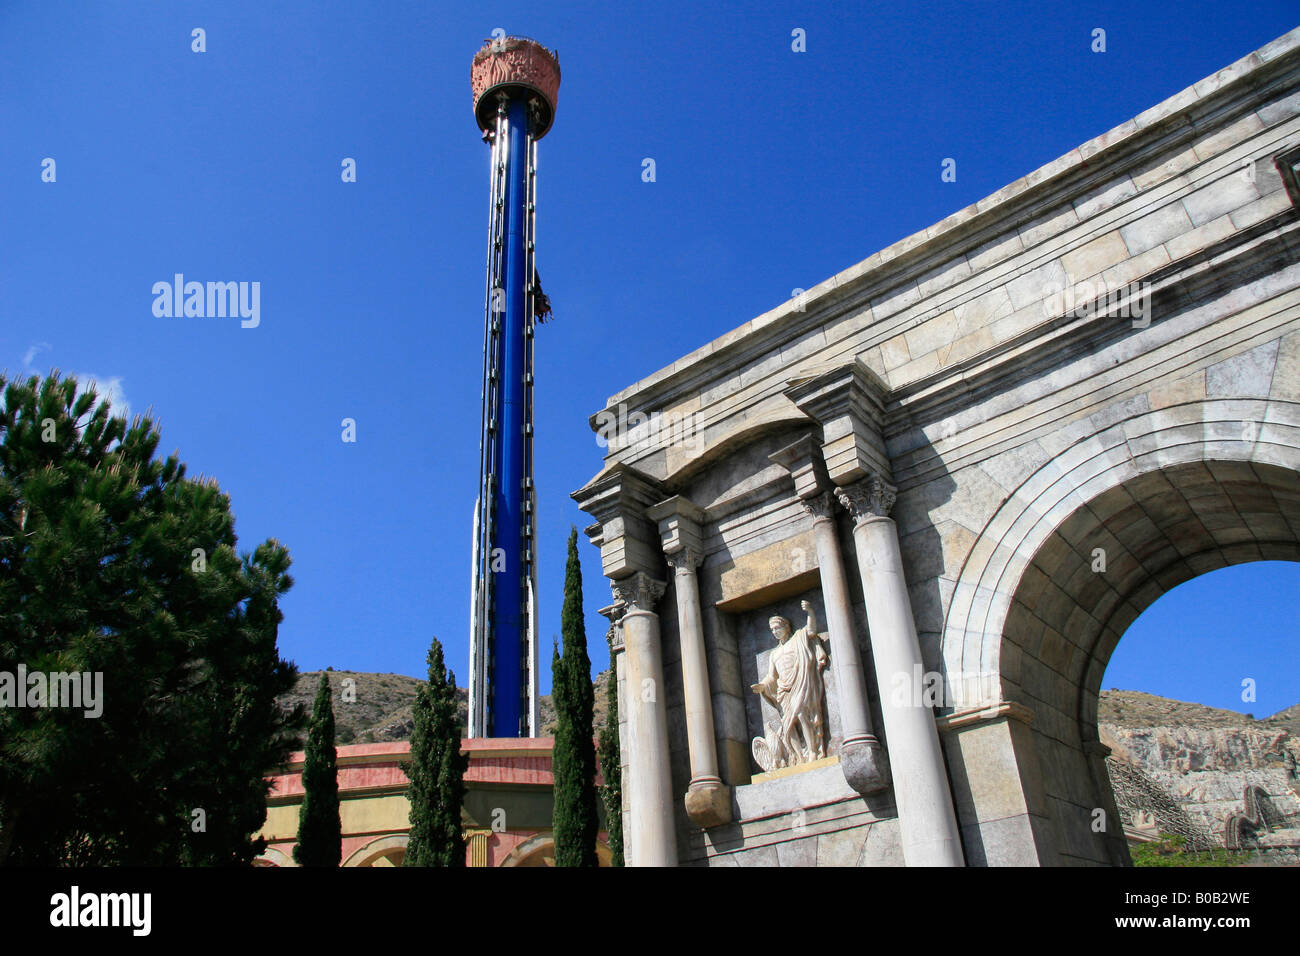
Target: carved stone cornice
639, 592
872, 497
848, 401
803, 460
998, 710
618, 500
680, 532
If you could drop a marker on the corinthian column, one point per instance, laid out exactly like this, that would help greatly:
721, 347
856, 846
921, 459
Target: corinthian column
708, 800
925, 812
653, 840
861, 757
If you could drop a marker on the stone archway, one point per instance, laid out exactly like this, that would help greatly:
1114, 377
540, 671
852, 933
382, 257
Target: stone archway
385, 851
539, 850
273, 857
1081, 548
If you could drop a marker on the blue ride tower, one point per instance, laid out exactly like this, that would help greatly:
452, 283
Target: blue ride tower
515, 82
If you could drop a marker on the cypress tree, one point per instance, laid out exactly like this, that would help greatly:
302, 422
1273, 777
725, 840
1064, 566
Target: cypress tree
320, 833
575, 821
611, 763
436, 771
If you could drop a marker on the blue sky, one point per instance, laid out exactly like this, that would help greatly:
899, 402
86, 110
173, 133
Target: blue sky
775, 170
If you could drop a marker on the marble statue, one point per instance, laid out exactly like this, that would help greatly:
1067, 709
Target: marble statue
794, 686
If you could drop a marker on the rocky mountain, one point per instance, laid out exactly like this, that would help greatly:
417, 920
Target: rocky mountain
376, 708
1203, 758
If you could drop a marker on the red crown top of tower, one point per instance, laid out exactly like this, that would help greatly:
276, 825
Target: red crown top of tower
515, 66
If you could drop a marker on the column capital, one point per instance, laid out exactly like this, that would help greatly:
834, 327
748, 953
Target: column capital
613, 612
821, 507
684, 559
639, 592
870, 497
614, 635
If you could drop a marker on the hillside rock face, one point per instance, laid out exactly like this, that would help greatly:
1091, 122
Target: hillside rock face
376, 708
1205, 759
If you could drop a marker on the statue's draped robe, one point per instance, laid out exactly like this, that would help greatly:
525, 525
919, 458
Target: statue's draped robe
794, 681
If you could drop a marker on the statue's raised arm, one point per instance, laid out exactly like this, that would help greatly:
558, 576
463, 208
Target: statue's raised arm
812, 618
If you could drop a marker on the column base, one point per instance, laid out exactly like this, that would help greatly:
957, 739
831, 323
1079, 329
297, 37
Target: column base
865, 766
708, 802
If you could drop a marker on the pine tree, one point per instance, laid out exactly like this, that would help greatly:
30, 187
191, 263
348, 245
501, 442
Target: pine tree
436, 771
575, 821
116, 565
320, 832
611, 764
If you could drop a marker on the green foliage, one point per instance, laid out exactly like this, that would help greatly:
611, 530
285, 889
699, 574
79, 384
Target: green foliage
1171, 850
575, 821
436, 771
320, 832
611, 763
115, 563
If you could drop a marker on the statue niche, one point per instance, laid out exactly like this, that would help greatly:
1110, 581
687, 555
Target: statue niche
794, 686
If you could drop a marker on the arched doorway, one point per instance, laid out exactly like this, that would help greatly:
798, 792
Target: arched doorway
540, 851
1081, 548
1101, 568
385, 851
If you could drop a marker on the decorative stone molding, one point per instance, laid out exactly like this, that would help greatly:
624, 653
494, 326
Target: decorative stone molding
639, 592
1006, 709
614, 635
628, 540
872, 497
708, 803
865, 766
1288, 166
679, 521
848, 401
803, 459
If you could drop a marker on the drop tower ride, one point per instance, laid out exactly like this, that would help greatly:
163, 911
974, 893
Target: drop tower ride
515, 82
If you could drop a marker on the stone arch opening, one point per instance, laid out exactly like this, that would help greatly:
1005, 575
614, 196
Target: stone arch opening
1092, 575
385, 851
539, 850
